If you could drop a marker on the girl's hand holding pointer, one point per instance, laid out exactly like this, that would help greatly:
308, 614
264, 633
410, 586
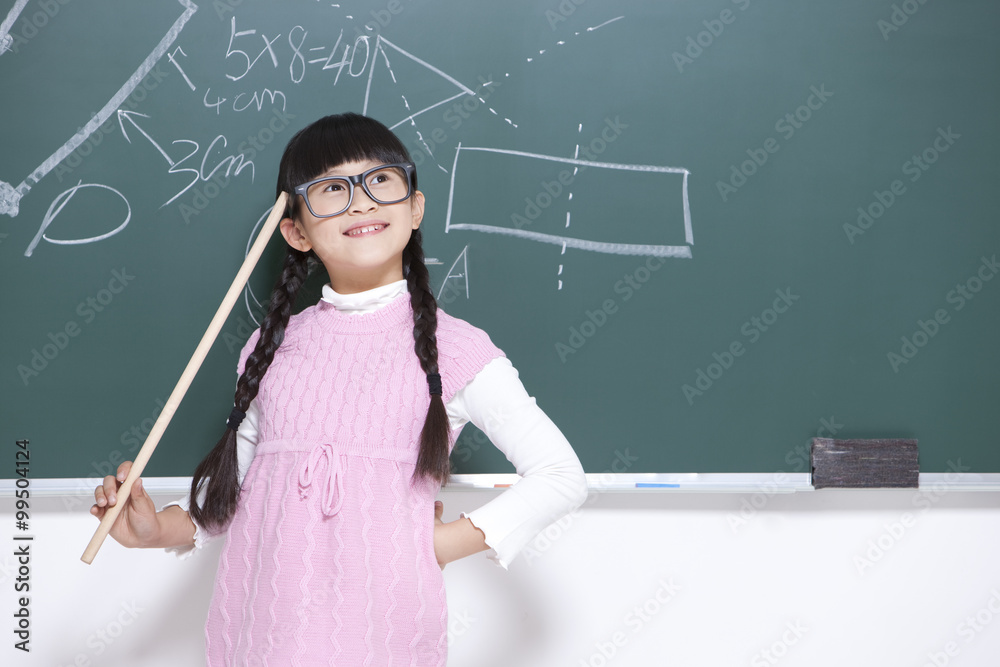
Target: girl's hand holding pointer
137, 525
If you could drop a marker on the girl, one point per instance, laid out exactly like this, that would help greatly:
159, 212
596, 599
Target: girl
345, 414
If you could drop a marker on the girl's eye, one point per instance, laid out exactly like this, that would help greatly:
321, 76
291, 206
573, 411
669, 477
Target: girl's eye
334, 186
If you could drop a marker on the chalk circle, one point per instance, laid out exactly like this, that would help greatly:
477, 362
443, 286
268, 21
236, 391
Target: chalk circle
59, 203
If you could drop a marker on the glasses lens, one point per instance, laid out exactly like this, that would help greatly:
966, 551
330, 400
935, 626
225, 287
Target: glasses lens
329, 196
388, 185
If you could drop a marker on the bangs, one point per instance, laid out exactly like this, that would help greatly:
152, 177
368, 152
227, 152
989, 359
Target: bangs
332, 141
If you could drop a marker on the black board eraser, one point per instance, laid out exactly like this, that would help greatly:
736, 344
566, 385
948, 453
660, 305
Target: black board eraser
873, 464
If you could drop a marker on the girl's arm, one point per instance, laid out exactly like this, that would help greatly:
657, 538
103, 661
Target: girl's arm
552, 480
176, 528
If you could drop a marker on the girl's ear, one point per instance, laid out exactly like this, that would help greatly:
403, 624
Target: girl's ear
294, 236
417, 208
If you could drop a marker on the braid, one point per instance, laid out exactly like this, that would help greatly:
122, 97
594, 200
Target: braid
220, 467
432, 461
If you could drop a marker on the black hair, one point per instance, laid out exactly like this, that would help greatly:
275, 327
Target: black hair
317, 148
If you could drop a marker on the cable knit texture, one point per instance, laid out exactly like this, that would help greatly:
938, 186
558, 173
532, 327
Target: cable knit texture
329, 559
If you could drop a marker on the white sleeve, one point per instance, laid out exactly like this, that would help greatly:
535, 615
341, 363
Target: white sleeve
552, 480
246, 445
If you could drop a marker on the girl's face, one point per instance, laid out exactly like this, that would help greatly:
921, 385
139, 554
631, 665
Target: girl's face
358, 261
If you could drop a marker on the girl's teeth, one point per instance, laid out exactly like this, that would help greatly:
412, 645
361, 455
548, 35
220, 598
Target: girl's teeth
362, 230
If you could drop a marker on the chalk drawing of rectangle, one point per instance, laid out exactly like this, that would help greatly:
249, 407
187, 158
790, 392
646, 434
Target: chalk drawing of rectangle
681, 251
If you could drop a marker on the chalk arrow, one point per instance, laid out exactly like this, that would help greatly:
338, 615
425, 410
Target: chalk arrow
9, 195
128, 116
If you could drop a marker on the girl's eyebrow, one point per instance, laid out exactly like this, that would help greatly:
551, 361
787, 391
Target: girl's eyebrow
339, 171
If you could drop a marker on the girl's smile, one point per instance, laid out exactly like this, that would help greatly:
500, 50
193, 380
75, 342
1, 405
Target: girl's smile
366, 228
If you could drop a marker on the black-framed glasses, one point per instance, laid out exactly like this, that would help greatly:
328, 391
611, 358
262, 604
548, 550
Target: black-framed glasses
384, 184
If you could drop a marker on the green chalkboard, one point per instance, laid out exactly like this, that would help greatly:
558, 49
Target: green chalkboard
704, 232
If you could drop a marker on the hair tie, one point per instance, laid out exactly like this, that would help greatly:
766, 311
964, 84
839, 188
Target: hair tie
235, 417
434, 382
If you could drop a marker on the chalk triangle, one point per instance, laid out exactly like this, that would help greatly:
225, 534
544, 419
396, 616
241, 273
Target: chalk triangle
402, 87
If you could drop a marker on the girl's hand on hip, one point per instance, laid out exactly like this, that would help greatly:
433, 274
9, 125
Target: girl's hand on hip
438, 524
455, 539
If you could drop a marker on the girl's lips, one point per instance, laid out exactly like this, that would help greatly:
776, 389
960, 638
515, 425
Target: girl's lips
367, 229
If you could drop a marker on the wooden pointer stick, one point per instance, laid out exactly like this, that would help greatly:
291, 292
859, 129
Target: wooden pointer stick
186, 377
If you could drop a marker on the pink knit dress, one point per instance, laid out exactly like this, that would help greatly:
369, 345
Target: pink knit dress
329, 559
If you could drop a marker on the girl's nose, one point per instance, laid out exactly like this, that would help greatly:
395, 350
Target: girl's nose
362, 203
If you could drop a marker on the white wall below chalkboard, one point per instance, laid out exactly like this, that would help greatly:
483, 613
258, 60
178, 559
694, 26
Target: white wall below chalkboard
823, 579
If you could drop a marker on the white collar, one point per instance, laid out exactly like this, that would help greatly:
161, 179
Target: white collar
364, 302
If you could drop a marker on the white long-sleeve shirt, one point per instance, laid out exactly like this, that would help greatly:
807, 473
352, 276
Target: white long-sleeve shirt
552, 480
